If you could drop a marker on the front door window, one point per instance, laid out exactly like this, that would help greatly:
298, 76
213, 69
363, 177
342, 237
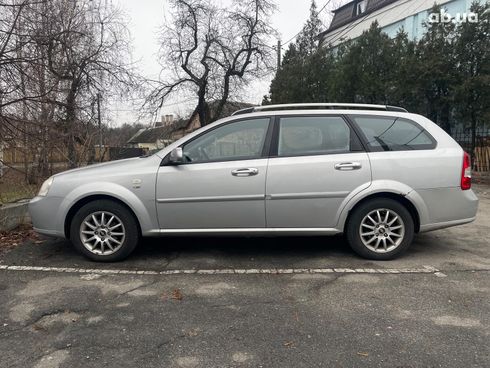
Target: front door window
242, 140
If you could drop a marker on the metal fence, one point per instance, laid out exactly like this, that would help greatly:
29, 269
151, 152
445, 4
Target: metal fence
481, 155
117, 153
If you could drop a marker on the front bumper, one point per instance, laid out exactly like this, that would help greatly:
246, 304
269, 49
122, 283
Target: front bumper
45, 216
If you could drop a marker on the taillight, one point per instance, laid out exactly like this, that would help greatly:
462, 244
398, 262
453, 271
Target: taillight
466, 172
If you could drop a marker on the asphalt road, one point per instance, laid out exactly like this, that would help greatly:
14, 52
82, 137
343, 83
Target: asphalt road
328, 308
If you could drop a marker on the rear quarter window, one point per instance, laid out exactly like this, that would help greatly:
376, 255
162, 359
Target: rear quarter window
391, 133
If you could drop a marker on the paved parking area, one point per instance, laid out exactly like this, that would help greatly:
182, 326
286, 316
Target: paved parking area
256, 302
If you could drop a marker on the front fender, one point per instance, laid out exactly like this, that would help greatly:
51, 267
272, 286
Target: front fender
145, 212
382, 186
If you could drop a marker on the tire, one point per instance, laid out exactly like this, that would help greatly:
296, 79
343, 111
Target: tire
371, 244
104, 231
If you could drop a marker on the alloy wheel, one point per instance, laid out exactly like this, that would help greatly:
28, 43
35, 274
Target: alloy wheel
382, 230
102, 233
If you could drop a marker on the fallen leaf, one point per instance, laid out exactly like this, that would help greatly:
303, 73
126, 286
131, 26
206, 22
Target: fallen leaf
177, 294
13, 238
37, 327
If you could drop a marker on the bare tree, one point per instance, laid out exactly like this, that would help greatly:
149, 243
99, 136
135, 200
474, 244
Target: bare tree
12, 61
15, 62
56, 58
213, 51
87, 51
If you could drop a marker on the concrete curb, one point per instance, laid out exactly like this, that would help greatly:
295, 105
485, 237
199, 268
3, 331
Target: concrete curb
13, 215
251, 271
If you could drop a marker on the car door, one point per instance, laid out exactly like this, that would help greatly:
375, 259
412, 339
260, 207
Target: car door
316, 162
221, 183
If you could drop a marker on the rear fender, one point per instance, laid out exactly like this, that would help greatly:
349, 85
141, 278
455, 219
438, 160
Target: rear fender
383, 186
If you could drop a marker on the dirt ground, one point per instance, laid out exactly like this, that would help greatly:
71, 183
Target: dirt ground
13, 238
481, 178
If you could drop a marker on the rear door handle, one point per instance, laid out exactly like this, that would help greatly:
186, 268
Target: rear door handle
348, 166
249, 171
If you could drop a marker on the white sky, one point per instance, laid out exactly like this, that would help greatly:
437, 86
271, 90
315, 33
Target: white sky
146, 16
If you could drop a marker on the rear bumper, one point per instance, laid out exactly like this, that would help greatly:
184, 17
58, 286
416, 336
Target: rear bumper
44, 212
442, 225
448, 207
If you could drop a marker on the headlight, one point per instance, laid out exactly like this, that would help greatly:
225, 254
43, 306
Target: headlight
43, 192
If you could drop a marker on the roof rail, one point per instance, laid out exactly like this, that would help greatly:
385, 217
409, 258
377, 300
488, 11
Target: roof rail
320, 106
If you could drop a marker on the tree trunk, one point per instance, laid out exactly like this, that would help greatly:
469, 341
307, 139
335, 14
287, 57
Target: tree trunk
43, 164
70, 129
446, 123
221, 104
25, 141
201, 106
432, 112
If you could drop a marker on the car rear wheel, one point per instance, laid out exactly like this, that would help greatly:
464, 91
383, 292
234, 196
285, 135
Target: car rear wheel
380, 229
104, 231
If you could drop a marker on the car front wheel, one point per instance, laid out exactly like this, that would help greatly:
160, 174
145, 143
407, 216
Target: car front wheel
104, 230
380, 229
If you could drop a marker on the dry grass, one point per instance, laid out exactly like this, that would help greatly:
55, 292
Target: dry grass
13, 187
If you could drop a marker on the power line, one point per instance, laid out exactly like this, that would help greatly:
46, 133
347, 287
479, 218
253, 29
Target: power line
318, 12
292, 38
349, 28
179, 102
324, 6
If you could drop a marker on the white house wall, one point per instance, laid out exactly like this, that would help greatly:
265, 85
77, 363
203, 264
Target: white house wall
409, 14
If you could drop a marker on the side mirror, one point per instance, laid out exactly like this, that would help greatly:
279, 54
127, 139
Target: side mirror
176, 156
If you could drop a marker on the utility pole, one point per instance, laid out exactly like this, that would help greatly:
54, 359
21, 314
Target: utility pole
100, 126
278, 54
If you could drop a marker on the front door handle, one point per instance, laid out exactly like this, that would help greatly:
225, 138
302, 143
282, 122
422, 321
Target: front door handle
249, 171
348, 166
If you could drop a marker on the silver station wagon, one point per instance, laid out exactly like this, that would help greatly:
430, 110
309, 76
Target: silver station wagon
378, 174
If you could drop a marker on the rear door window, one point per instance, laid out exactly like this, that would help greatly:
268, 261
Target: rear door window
313, 135
387, 133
